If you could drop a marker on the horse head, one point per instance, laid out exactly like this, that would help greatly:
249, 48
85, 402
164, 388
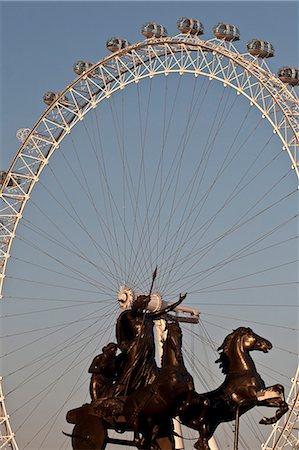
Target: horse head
244, 339
172, 345
252, 341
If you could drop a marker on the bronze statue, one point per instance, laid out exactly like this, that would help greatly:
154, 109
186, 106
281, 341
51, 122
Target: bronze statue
241, 390
151, 407
130, 393
134, 368
135, 338
103, 369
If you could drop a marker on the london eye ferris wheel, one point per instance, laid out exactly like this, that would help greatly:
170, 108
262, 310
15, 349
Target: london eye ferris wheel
177, 151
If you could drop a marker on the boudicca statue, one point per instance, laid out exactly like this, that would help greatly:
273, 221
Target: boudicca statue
129, 392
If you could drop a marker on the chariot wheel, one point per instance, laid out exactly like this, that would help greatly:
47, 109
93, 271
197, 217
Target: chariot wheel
175, 152
89, 434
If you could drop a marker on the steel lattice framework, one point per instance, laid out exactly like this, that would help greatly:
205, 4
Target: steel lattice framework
7, 440
215, 59
285, 433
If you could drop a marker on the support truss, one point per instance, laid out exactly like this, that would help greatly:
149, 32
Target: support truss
285, 434
7, 439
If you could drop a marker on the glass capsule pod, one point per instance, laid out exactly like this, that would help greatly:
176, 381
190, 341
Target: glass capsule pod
150, 30
81, 66
289, 75
188, 25
226, 31
115, 44
3, 175
50, 97
259, 48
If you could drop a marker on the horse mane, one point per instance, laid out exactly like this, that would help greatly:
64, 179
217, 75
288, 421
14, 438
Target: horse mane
173, 328
223, 359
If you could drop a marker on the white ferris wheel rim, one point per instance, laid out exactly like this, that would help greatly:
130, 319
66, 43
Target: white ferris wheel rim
277, 103
270, 95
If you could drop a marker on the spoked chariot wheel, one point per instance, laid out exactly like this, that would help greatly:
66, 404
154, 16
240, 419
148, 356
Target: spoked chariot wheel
175, 152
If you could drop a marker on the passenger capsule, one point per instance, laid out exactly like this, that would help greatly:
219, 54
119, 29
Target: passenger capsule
81, 66
22, 134
187, 25
226, 31
289, 75
50, 97
3, 175
262, 49
150, 30
115, 44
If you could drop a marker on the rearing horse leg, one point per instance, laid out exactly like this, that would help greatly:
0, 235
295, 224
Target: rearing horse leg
282, 409
277, 401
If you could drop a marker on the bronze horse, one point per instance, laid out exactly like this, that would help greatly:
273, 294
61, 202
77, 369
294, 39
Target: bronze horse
242, 389
149, 410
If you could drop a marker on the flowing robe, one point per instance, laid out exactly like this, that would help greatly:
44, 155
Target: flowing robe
135, 338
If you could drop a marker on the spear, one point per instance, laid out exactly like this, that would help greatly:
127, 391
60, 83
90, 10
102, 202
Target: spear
153, 280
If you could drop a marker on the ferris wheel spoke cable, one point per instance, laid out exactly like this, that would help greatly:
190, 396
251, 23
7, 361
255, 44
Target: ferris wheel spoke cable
65, 345
249, 275
92, 313
103, 179
271, 372
143, 235
60, 244
275, 325
209, 223
35, 330
69, 367
256, 286
186, 220
76, 386
85, 188
87, 192
107, 227
93, 241
163, 183
143, 175
78, 221
239, 224
45, 310
156, 175
114, 207
178, 168
208, 149
115, 257
134, 193
53, 357
41, 232
169, 185
207, 272
46, 391
240, 253
189, 129
78, 275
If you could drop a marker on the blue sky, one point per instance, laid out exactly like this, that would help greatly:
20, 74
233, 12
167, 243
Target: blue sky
40, 41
